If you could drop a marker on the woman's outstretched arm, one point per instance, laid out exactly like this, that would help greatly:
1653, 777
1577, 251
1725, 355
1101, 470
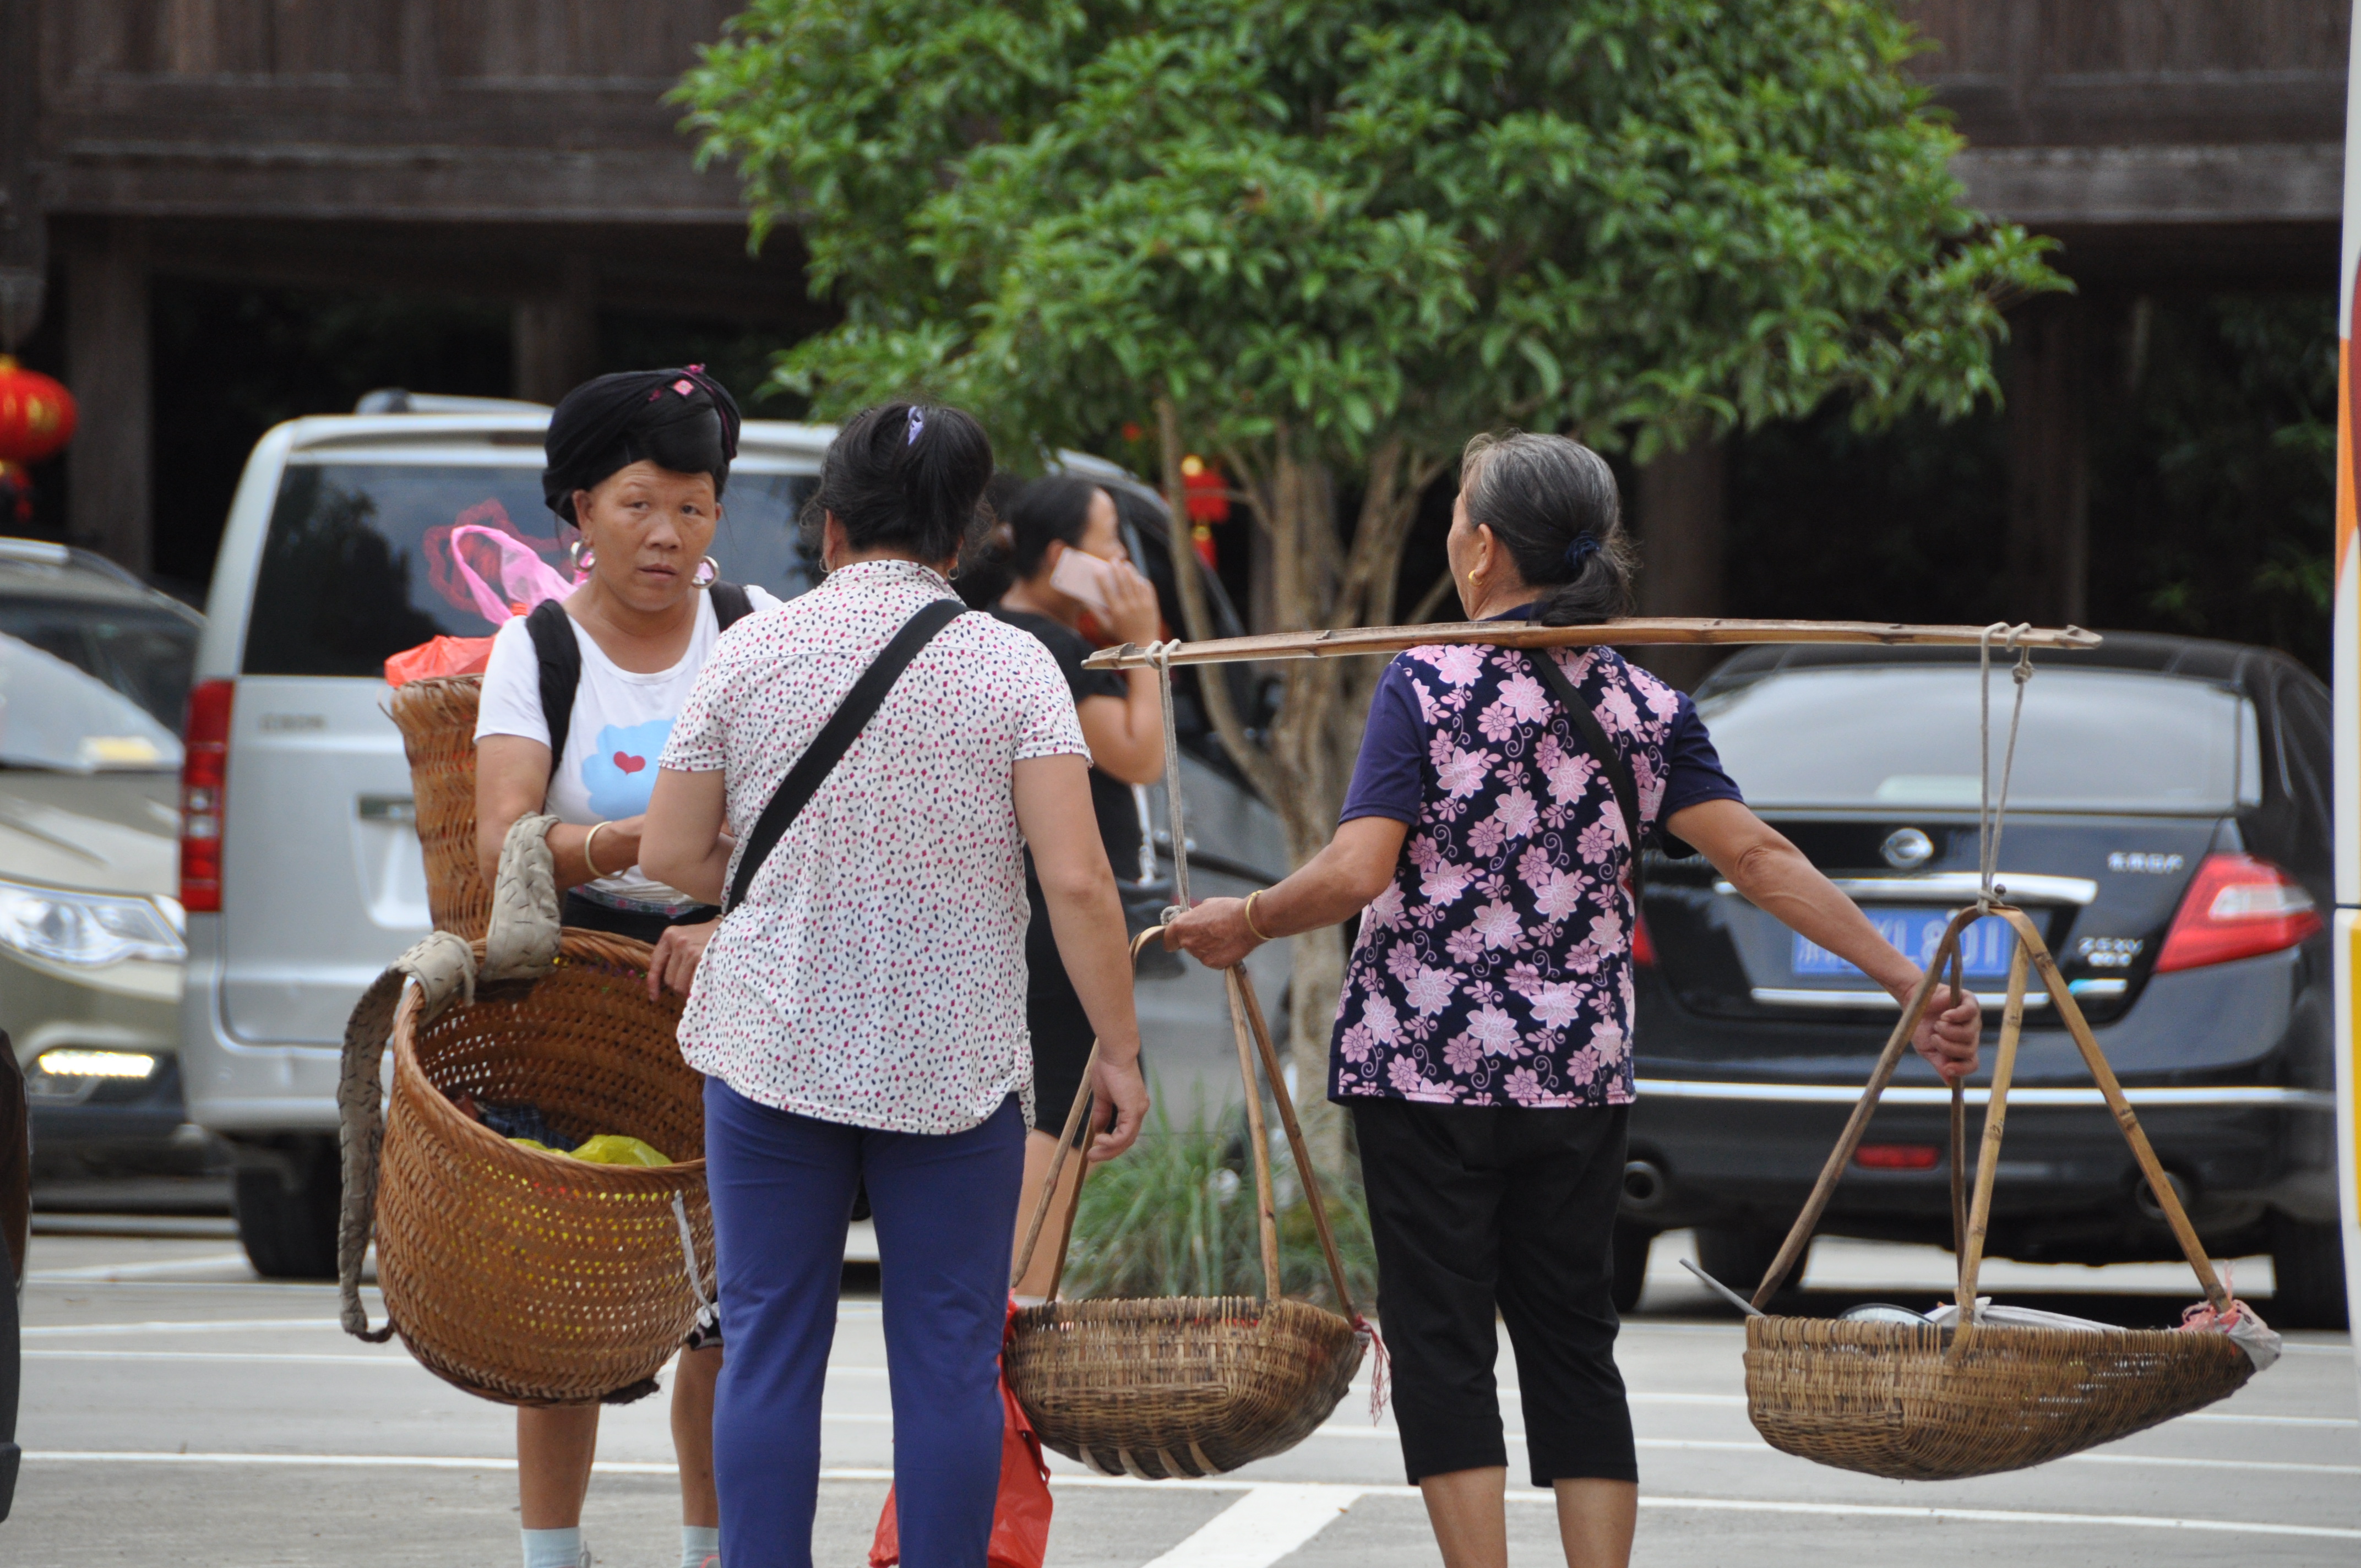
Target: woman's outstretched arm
681, 843
1774, 875
1333, 885
1053, 810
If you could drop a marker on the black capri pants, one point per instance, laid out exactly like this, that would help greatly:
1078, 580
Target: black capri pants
1482, 1208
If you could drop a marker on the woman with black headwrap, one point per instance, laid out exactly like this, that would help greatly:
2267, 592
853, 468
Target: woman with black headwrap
578, 700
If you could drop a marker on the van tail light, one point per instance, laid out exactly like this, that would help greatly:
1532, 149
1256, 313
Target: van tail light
1643, 947
204, 768
2236, 908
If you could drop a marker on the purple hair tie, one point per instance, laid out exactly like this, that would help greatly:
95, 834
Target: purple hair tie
917, 423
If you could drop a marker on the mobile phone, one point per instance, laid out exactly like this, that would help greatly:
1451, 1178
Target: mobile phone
1082, 577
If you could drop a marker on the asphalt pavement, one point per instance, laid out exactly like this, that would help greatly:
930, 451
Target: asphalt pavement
177, 1409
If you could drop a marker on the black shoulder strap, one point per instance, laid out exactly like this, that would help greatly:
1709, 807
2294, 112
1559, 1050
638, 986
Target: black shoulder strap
1618, 769
551, 630
730, 604
860, 704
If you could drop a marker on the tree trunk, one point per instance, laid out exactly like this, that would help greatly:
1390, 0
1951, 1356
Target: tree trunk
1303, 769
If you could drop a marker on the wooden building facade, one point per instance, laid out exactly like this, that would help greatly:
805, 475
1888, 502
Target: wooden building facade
522, 150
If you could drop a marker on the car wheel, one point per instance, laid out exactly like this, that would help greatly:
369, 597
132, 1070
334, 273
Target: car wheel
2309, 1263
1631, 1263
286, 1218
1739, 1255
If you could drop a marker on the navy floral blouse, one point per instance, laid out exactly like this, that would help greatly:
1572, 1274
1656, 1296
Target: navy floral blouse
1497, 970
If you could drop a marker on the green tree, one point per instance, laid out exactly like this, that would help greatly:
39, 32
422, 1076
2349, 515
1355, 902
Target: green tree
1324, 241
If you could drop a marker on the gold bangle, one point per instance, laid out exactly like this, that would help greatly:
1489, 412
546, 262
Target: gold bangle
596, 875
1249, 913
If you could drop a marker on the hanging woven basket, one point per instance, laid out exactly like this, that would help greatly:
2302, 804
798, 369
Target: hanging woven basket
1188, 1387
1930, 1403
436, 716
525, 1277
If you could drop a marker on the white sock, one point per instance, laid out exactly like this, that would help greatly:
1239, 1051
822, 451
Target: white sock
555, 1549
698, 1542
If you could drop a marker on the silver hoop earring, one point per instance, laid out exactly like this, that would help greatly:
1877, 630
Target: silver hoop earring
708, 572
582, 555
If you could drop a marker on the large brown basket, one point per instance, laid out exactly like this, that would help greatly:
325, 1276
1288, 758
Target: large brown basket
437, 719
1922, 1403
1893, 1399
1187, 1386
535, 1278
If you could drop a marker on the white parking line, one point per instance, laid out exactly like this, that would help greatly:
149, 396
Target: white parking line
99, 1273
1271, 1521
193, 1326
1344, 1495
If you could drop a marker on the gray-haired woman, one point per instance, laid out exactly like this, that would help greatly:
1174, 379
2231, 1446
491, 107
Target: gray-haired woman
1484, 1039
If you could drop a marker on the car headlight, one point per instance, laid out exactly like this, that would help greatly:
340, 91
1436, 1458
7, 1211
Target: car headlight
88, 928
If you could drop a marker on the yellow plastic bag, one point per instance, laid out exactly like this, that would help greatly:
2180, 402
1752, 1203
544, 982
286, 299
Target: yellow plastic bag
614, 1148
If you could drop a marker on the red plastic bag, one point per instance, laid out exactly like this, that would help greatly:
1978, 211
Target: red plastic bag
1020, 1517
439, 656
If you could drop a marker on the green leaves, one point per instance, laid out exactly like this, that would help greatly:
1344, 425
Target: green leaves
1348, 222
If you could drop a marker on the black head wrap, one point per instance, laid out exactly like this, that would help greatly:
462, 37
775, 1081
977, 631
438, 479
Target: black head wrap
681, 420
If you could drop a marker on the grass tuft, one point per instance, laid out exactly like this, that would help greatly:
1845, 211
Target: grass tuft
1175, 1217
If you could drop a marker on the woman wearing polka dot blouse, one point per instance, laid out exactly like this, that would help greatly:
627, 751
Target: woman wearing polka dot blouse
860, 1014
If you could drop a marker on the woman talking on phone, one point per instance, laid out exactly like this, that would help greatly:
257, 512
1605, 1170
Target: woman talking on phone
1068, 557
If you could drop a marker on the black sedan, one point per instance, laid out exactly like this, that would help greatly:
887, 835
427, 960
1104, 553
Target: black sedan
2168, 828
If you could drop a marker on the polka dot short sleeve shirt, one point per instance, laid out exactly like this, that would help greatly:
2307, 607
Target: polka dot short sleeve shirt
875, 975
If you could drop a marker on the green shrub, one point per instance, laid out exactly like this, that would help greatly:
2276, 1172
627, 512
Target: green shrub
1175, 1217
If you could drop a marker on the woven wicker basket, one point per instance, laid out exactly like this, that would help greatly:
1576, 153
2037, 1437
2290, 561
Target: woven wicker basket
437, 719
1187, 1387
536, 1279
1893, 1399
1923, 1403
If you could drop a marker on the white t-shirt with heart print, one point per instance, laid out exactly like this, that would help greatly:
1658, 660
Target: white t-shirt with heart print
620, 722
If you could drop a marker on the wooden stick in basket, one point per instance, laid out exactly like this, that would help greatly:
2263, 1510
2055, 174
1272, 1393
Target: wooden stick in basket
2012, 1028
1266, 1205
1628, 631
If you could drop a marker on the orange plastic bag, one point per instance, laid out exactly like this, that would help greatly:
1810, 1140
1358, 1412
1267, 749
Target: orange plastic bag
439, 656
1020, 1517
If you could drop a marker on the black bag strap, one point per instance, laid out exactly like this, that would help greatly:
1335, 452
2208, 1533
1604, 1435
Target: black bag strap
553, 644
1618, 768
561, 656
820, 759
730, 604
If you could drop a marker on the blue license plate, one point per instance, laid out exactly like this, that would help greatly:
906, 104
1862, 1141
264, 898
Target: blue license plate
1984, 947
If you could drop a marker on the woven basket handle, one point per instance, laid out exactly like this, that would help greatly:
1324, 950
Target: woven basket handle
2030, 950
1304, 1166
2070, 1013
1081, 1108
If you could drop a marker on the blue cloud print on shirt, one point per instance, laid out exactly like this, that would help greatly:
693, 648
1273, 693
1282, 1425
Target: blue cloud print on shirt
621, 770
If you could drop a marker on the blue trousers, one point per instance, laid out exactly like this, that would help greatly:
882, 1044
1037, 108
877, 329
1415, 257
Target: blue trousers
946, 1212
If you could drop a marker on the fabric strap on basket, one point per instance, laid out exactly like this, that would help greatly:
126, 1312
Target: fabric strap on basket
520, 944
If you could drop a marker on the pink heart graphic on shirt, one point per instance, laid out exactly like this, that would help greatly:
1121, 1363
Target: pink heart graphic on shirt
630, 763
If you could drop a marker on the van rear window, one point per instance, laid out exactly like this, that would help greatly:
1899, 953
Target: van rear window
365, 559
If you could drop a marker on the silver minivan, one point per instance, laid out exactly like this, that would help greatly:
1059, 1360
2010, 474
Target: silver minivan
351, 538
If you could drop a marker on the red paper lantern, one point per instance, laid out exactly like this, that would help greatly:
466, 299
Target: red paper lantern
37, 414
1206, 492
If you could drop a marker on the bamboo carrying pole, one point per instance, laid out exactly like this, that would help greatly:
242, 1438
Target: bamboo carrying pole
1632, 631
